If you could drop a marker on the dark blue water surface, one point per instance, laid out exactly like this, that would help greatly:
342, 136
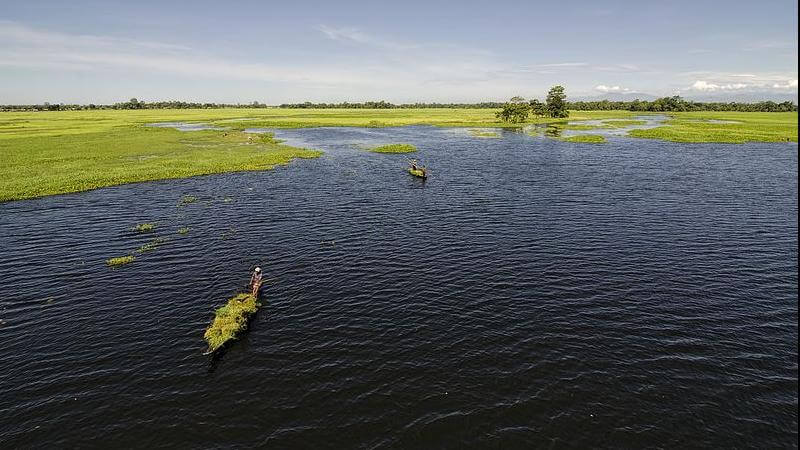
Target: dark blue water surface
531, 293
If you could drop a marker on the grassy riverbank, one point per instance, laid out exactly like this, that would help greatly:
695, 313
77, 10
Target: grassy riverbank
44, 163
725, 126
54, 152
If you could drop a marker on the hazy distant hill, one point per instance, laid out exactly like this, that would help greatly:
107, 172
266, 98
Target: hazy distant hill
743, 97
740, 97
614, 97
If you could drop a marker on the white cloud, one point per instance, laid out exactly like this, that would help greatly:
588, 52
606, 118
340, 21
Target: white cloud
701, 85
788, 85
566, 64
604, 88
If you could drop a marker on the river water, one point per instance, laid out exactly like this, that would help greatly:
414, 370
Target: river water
530, 293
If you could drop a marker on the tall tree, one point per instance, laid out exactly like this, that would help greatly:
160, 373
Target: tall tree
515, 110
538, 108
557, 102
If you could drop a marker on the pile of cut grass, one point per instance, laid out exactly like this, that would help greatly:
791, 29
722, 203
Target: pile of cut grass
586, 139
120, 261
144, 228
394, 148
230, 320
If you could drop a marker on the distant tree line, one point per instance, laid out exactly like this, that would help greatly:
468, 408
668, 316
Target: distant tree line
386, 105
535, 107
131, 104
677, 103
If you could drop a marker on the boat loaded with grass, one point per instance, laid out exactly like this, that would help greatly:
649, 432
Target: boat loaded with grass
417, 170
233, 318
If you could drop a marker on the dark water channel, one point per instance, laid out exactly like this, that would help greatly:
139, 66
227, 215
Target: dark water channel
531, 293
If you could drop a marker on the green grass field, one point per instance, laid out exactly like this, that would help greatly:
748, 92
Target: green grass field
742, 127
54, 152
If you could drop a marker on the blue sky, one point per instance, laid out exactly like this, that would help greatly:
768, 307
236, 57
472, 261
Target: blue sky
275, 52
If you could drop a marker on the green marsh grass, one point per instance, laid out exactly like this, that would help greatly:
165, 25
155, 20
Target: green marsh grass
586, 139
748, 127
621, 123
394, 148
230, 320
120, 260
57, 152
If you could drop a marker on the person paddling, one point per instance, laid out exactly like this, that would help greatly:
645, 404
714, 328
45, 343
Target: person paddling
255, 281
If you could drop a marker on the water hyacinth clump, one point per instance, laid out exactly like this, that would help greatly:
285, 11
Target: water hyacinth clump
586, 139
120, 261
144, 228
187, 199
394, 148
152, 245
230, 320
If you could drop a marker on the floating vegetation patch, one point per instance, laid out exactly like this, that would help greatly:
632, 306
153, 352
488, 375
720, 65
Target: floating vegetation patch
484, 133
187, 199
229, 234
144, 228
150, 246
120, 261
230, 320
619, 123
183, 230
394, 148
581, 126
586, 139
227, 200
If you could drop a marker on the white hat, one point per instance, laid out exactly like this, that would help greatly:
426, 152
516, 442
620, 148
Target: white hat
258, 269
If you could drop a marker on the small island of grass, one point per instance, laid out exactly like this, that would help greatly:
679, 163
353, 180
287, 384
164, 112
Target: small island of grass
394, 148
586, 139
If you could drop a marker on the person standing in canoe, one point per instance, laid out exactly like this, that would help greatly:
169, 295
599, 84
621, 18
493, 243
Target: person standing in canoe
255, 281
